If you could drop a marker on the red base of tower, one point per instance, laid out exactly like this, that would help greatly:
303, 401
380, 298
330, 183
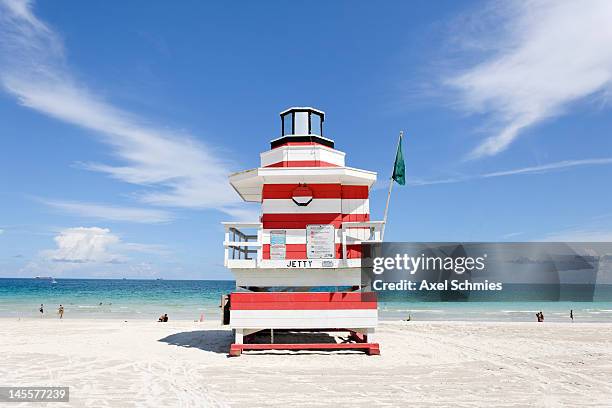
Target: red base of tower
359, 342
370, 349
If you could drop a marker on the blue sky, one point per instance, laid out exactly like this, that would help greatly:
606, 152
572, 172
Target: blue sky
119, 121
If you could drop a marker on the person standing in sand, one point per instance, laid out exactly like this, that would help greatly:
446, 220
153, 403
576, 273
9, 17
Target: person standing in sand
572, 315
60, 311
41, 310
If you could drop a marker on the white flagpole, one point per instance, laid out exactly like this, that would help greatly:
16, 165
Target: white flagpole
391, 182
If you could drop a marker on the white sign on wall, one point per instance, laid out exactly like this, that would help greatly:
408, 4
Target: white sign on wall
320, 241
278, 247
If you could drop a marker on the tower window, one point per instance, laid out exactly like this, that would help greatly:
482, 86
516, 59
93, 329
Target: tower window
315, 124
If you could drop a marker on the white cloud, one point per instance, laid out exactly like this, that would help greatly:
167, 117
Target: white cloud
546, 55
96, 252
174, 169
97, 246
84, 245
113, 213
1, 231
541, 169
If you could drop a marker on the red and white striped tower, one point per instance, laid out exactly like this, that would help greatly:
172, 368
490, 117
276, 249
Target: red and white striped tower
315, 215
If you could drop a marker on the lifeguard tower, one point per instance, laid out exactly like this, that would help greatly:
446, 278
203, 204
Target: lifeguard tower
298, 268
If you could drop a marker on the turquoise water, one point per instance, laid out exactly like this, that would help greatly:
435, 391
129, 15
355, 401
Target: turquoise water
112, 298
147, 299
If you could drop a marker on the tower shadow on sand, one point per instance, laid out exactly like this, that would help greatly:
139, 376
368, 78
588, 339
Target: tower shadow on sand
219, 341
216, 341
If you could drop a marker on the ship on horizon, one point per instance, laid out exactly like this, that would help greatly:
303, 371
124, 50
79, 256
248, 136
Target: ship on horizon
49, 278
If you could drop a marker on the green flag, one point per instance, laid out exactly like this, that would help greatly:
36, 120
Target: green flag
399, 169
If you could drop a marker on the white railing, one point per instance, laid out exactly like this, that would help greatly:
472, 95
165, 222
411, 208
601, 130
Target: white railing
240, 245
243, 243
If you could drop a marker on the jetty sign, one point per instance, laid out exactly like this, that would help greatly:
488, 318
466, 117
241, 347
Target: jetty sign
299, 264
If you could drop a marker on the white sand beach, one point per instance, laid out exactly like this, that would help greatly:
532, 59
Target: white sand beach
181, 363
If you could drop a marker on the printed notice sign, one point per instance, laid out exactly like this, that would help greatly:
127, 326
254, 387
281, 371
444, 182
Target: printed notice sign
278, 248
320, 241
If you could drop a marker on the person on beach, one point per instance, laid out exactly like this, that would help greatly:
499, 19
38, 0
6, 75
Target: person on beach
163, 318
540, 316
572, 315
60, 311
41, 310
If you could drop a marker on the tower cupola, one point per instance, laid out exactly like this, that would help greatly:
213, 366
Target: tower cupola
302, 124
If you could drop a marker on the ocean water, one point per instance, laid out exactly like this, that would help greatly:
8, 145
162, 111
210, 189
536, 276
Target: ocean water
113, 298
182, 299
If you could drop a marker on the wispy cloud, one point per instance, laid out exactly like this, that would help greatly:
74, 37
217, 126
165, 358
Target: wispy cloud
110, 212
546, 55
540, 169
512, 235
579, 235
545, 168
146, 248
596, 228
174, 169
